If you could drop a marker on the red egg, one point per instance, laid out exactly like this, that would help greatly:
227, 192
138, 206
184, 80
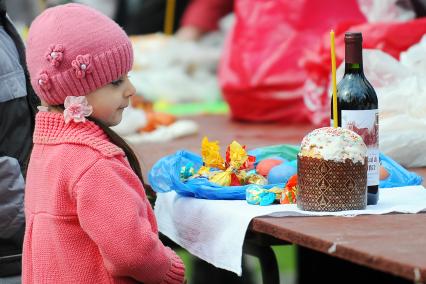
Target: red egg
266, 165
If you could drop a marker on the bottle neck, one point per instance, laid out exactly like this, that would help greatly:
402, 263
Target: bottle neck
353, 57
354, 68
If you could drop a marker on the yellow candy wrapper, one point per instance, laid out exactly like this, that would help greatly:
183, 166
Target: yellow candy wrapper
236, 155
204, 171
257, 179
210, 153
242, 176
222, 178
232, 170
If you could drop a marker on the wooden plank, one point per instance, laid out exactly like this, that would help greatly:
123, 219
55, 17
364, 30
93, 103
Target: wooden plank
392, 243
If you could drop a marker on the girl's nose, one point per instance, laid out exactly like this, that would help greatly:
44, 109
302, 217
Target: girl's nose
131, 91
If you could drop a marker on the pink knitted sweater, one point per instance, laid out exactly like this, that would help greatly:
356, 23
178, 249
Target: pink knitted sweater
87, 216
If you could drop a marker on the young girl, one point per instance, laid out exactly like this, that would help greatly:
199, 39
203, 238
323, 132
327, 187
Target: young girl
87, 216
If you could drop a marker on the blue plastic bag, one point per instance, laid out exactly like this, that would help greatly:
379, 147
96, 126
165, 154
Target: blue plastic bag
165, 174
398, 176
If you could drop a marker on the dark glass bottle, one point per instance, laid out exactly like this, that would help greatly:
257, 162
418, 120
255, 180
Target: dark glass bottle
358, 109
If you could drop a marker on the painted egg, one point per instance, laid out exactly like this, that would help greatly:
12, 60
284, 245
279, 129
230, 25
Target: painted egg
281, 173
383, 173
264, 166
292, 163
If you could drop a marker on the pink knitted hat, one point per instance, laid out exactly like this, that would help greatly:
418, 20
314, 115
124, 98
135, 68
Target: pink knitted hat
73, 50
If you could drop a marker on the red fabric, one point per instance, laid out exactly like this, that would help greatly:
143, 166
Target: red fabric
87, 216
260, 73
205, 14
392, 38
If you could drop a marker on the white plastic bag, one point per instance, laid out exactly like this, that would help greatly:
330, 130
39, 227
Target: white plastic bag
401, 91
387, 10
131, 121
174, 70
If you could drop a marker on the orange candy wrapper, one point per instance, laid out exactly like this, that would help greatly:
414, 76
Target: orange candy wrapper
289, 195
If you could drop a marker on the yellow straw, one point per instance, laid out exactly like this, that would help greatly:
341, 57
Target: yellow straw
333, 77
170, 17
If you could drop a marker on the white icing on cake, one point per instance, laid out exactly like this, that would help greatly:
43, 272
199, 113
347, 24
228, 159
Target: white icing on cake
334, 144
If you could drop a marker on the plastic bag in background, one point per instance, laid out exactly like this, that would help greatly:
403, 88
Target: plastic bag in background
132, 120
176, 71
387, 10
415, 57
259, 73
384, 36
398, 176
402, 105
400, 88
165, 174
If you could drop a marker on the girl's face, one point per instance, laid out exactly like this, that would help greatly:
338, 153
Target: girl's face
109, 101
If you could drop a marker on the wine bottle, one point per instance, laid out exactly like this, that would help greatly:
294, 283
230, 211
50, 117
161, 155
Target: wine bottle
357, 108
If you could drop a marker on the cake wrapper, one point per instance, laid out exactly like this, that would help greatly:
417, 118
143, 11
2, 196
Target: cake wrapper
331, 186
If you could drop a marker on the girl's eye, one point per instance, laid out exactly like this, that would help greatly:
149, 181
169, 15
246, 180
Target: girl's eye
117, 82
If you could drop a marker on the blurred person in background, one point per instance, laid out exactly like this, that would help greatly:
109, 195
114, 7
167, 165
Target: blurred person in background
192, 18
202, 16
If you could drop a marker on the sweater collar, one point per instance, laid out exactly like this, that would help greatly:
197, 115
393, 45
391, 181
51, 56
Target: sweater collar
50, 128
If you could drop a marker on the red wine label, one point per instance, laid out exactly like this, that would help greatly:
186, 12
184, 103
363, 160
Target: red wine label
366, 124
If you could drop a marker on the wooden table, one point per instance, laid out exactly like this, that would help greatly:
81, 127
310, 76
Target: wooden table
395, 244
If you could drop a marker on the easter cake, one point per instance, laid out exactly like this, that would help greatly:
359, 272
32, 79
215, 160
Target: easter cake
332, 171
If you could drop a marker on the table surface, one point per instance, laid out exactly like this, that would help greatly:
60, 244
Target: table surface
392, 243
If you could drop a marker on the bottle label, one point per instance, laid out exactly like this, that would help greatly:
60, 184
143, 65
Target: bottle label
366, 124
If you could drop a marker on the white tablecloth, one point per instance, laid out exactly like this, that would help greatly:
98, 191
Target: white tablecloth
214, 230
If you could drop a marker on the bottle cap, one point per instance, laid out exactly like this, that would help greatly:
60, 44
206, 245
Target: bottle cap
353, 36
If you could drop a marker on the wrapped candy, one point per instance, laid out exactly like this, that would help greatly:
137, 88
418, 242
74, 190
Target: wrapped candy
278, 192
236, 159
204, 171
267, 199
289, 196
242, 176
232, 169
210, 152
254, 194
256, 179
257, 195
222, 178
187, 171
236, 155
235, 181
292, 181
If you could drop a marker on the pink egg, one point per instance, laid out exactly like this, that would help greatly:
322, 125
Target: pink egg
266, 165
